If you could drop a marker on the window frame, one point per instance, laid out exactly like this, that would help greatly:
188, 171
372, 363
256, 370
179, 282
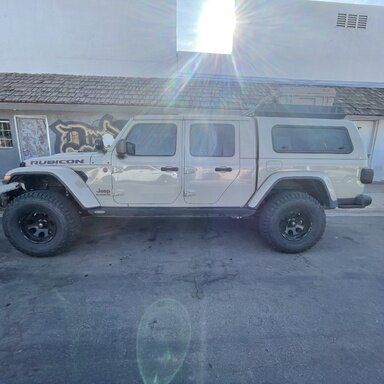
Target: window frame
212, 123
310, 127
10, 131
154, 123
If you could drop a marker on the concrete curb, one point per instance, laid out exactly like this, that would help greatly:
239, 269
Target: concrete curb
355, 212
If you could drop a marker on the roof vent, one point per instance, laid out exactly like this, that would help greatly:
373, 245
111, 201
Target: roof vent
341, 20
351, 20
362, 21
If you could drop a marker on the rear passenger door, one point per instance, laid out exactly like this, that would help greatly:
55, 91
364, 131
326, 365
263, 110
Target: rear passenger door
211, 158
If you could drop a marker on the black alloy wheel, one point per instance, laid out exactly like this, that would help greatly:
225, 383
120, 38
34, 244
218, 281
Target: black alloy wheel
291, 221
38, 226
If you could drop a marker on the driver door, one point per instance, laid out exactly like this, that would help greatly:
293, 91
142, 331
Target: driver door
153, 175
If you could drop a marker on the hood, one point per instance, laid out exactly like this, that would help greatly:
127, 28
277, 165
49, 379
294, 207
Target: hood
73, 158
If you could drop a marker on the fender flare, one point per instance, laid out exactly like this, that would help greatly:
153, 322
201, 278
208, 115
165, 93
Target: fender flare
68, 178
275, 178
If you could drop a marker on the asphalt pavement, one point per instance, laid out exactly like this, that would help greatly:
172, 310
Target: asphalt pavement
195, 301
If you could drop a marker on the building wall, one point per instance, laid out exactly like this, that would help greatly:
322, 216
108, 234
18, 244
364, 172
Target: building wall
372, 134
295, 39
9, 157
68, 131
299, 39
118, 37
378, 153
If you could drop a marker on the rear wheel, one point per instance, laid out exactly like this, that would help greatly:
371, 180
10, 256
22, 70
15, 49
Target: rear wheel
41, 223
291, 221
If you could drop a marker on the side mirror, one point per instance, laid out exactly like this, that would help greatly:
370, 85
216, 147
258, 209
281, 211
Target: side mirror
99, 144
124, 147
121, 147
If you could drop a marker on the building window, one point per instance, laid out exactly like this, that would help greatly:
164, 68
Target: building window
212, 140
5, 134
153, 139
205, 26
311, 139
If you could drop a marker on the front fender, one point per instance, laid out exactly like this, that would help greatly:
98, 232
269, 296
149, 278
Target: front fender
275, 178
72, 182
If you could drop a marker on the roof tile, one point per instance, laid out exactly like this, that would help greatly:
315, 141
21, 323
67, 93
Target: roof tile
177, 92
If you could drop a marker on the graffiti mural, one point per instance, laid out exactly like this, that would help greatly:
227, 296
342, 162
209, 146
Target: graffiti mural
77, 136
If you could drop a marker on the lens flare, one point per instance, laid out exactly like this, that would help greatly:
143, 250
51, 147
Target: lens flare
216, 27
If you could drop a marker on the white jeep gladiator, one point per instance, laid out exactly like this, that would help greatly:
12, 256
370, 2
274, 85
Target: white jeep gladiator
287, 171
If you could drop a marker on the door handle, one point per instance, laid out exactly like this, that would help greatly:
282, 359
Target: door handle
169, 169
223, 169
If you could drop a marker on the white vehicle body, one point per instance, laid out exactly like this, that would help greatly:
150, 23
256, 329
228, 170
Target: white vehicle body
206, 165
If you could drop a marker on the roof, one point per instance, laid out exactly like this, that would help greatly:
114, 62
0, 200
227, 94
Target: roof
228, 94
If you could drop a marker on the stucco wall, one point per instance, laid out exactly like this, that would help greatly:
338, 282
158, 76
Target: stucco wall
68, 131
9, 157
378, 153
119, 37
295, 39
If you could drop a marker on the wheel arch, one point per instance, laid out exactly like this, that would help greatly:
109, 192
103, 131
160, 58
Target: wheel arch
318, 185
66, 179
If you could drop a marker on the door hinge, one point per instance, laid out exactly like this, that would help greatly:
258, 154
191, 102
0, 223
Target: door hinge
117, 170
118, 192
189, 193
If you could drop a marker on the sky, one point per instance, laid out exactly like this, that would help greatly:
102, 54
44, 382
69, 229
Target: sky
371, 2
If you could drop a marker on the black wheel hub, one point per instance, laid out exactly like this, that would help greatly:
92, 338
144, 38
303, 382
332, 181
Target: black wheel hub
38, 227
295, 226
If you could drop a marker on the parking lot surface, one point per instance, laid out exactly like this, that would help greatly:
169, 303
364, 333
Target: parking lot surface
195, 301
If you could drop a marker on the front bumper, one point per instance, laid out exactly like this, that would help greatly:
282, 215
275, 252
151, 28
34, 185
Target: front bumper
9, 187
4, 189
360, 201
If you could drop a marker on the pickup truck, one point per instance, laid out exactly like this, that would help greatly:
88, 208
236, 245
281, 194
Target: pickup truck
284, 170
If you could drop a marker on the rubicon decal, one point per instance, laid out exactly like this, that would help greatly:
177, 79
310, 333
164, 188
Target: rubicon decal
56, 162
103, 191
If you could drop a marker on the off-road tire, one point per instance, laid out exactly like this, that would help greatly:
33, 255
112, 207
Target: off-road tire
54, 212
291, 221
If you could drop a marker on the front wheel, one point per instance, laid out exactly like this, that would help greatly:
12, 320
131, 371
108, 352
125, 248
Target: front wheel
41, 223
292, 221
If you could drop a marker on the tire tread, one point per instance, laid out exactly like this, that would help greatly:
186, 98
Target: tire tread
59, 201
269, 208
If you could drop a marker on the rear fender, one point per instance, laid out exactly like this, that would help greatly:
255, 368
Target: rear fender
272, 181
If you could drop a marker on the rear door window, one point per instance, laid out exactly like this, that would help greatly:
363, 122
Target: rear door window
212, 140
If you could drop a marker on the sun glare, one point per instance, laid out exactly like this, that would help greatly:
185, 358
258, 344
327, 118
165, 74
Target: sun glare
216, 27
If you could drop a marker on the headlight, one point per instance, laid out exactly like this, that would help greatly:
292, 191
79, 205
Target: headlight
6, 179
